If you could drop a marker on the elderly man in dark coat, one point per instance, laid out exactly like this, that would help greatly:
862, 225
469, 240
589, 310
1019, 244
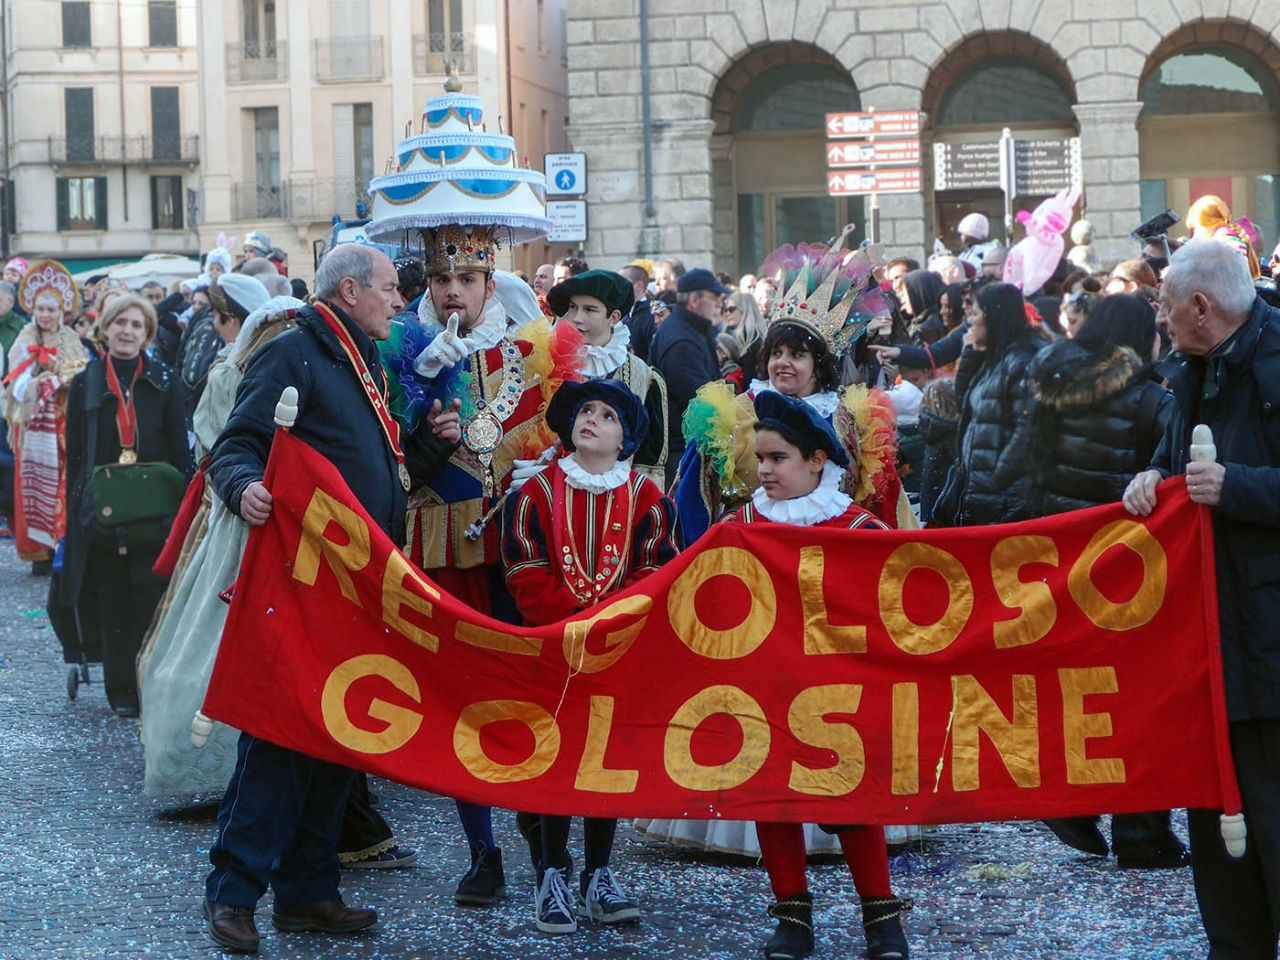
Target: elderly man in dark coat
1228, 377
279, 821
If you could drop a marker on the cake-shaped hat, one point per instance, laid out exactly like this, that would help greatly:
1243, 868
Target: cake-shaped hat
48, 281
460, 186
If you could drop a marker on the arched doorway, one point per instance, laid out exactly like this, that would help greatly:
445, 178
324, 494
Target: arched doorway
1209, 123
769, 161
984, 84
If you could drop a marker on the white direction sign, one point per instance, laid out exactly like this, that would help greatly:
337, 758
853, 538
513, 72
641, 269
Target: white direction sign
568, 221
566, 174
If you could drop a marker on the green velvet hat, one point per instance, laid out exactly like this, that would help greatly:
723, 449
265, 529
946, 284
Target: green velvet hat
612, 289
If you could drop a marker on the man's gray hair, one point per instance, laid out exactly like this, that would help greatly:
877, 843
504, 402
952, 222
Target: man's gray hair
1214, 269
345, 260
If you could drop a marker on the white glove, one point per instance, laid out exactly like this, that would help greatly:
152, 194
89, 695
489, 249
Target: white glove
444, 351
524, 470
19, 389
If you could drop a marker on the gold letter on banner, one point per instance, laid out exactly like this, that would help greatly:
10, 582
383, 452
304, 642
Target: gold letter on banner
906, 739
924, 638
762, 610
341, 557
592, 774
1146, 603
616, 643
1018, 742
807, 720
396, 594
401, 723
499, 641
1078, 726
476, 716
820, 635
1034, 599
687, 772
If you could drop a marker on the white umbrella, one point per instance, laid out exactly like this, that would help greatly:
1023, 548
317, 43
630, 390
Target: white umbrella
164, 268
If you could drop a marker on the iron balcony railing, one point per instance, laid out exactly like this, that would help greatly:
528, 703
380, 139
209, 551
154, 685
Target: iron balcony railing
257, 61
161, 149
348, 58
302, 200
436, 52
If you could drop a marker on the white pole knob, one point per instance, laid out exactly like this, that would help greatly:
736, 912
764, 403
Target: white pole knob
287, 408
202, 726
1202, 447
1234, 833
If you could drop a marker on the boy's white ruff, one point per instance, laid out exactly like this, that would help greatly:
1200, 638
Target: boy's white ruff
825, 503
578, 478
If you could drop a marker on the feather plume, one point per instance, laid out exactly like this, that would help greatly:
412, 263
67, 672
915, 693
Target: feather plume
708, 423
866, 423
557, 354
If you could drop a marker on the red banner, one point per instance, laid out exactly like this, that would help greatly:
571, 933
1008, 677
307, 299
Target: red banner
1062, 666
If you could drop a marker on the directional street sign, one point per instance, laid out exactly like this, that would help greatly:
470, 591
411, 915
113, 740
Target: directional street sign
880, 123
966, 166
857, 153
1042, 167
566, 174
891, 180
568, 221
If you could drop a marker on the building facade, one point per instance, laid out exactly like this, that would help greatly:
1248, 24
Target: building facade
100, 134
302, 101
1171, 99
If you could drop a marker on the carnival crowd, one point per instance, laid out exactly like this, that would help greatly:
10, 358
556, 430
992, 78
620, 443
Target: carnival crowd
957, 392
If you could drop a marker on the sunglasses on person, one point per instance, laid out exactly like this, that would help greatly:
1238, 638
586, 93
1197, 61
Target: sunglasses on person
730, 308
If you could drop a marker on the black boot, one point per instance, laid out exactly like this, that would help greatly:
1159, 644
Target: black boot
1145, 841
530, 827
881, 920
1079, 833
484, 883
794, 937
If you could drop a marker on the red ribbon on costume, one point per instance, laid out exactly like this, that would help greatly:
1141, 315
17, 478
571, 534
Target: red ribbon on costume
378, 399
35, 354
126, 419
167, 562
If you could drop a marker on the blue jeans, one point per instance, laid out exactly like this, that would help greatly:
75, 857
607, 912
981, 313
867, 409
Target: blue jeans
278, 826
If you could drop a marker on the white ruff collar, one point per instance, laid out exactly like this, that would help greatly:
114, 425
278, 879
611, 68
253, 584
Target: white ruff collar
825, 503
487, 333
602, 361
824, 403
578, 478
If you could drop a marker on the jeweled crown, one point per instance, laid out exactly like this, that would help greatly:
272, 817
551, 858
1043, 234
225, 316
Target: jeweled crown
455, 248
830, 292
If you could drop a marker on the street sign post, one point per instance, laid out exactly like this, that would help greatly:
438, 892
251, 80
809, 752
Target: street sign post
870, 182
966, 166
857, 153
1046, 166
566, 174
568, 221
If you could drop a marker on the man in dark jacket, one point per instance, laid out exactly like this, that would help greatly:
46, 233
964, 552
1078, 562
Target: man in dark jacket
1229, 379
684, 350
639, 319
278, 824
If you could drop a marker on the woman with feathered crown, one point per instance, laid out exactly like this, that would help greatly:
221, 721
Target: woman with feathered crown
830, 297
42, 361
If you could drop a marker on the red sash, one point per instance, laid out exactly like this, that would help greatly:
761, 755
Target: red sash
35, 354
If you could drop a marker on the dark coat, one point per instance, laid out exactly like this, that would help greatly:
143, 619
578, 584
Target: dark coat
1242, 408
942, 352
996, 404
640, 322
684, 352
334, 417
161, 437
1097, 424
939, 436
200, 344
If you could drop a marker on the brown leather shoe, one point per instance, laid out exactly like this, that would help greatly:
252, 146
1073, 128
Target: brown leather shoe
232, 927
324, 916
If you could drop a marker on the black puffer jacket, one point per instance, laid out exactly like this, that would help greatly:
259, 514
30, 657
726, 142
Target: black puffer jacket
939, 435
995, 437
1097, 424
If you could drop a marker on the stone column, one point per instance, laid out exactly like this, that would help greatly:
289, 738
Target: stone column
1113, 197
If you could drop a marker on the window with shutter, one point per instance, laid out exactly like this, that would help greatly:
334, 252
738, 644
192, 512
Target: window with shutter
166, 203
78, 103
81, 203
99, 202
165, 124
163, 21
61, 203
76, 24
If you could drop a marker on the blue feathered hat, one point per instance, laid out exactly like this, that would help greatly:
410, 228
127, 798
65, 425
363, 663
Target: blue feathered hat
563, 409
795, 419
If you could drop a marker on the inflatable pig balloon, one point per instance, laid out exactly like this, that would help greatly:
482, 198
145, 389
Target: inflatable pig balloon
1033, 259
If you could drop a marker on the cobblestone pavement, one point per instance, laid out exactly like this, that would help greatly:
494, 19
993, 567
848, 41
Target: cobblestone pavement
90, 867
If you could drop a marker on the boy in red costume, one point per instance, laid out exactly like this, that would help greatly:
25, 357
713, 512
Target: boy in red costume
801, 463
586, 527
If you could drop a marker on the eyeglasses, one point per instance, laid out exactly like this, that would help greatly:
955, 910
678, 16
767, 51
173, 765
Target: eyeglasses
730, 308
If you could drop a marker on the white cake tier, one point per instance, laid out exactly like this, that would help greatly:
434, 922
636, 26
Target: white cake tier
425, 199
453, 113
456, 152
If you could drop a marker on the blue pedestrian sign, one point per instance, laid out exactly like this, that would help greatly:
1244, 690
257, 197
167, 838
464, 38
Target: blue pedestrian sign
566, 174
